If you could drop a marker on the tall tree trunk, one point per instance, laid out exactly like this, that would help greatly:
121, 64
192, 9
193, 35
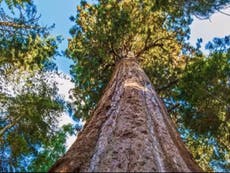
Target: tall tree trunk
129, 131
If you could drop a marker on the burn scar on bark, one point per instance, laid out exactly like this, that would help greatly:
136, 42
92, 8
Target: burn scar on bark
133, 84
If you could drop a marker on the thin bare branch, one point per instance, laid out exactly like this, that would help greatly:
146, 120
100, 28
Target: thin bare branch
164, 87
227, 14
152, 45
173, 107
15, 25
7, 127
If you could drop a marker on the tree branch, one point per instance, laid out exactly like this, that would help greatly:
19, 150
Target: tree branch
151, 45
2, 131
16, 25
171, 83
173, 107
114, 52
227, 14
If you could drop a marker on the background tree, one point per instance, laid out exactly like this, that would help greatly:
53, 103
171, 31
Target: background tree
30, 138
202, 97
156, 32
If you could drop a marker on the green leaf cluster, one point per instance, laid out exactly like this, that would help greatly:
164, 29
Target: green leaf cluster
52, 150
25, 54
205, 90
13, 3
204, 96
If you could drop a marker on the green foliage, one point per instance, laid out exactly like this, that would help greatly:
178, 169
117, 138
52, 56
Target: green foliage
25, 53
52, 150
194, 88
209, 153
204, 96
206, 92
13, 3
109, 31
27, 121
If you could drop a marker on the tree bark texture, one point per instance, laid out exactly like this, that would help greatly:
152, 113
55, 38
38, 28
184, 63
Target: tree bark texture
130, 131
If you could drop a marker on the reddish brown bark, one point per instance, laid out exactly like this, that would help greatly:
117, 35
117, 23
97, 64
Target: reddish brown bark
129, 131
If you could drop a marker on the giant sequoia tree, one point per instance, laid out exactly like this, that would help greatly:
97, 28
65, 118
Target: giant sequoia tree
128, 127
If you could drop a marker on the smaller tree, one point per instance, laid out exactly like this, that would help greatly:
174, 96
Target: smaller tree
202, 97
29, 103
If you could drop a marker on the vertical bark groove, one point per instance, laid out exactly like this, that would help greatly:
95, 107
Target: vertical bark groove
129, 131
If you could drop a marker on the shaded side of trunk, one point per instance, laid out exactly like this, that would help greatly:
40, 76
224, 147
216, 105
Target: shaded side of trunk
129, 131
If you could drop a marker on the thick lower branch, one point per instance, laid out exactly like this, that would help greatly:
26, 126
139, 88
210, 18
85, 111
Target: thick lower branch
9, 126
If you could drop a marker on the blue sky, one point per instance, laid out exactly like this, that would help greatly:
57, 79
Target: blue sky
59, 11
218, 25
